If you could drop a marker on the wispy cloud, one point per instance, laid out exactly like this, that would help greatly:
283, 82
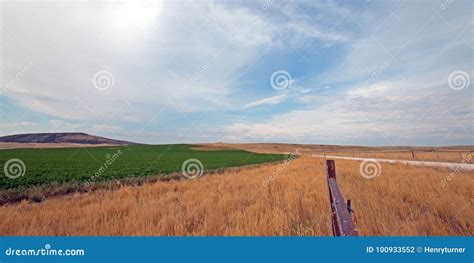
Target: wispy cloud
266, 101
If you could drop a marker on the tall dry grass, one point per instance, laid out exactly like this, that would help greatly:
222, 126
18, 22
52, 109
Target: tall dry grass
456, 154
277, 199
405, 200
438, 156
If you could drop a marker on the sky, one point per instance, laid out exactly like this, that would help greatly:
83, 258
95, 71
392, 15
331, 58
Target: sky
321, 72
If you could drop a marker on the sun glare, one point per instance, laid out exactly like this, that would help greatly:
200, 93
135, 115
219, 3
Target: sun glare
137, 14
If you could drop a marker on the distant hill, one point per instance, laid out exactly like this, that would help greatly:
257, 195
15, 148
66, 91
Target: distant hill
63, 137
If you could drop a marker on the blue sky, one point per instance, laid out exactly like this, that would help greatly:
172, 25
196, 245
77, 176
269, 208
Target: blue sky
344, 72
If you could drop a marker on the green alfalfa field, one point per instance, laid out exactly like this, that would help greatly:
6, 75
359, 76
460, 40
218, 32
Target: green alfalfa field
98, 164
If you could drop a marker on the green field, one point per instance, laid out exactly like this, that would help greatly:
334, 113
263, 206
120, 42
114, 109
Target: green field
81, 165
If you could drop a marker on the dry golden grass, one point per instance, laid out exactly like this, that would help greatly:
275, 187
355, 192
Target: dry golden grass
455, 154
277, 199
439, 156
406, 200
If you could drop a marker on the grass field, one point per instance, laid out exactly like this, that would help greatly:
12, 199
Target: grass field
454, 154
245, 201
286, 198
81, 165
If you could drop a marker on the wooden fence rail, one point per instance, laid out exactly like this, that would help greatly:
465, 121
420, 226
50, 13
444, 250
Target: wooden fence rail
342, 224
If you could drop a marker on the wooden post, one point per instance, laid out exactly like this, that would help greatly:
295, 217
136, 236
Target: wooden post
342, 224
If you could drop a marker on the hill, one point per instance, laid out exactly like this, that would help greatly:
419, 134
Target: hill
63, 137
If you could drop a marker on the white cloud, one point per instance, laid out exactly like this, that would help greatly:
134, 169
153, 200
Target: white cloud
62, 126
266, 101
395, 85
17, 127
164, 55
393, 60
150, 59
389, 113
